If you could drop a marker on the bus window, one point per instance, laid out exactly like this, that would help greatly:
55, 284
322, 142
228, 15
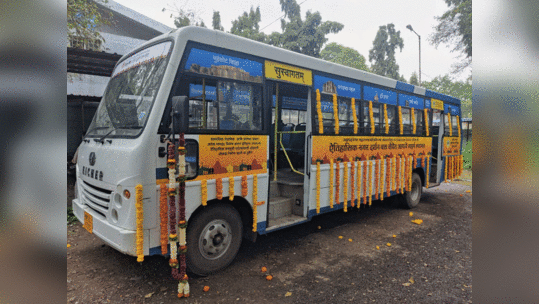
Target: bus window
285, 116
302, 117
390, 119
378, 120
240, 106
418, 122
436, 118
406, 121
446, 125
454, 125
346, 121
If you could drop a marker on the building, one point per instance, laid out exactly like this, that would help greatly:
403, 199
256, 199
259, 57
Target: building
89, 71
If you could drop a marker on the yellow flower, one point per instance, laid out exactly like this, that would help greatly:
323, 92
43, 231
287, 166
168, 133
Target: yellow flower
206, 288
388, 244
264, 269
319, 227
377, 247
394, 235
417, 221
411, 214
349, 240
340, 237
269, 277
68, 245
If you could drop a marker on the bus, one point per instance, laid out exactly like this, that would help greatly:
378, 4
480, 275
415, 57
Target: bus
257, 138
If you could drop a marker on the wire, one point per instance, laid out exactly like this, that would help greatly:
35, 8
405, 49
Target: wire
279, 18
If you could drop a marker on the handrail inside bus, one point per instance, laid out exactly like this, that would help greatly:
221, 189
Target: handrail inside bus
286, 154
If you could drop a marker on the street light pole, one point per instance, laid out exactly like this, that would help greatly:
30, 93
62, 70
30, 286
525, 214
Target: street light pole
411, 29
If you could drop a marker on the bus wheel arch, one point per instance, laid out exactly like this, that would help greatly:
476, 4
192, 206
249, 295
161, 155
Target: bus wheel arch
412, 198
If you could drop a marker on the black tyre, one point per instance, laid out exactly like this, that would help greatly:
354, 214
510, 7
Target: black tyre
213, 239
411, 198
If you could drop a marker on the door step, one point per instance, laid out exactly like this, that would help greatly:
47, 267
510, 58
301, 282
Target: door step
284, 221
280, 206
432, 185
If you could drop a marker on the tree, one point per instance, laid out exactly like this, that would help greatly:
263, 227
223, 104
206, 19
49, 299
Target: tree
413, 79
455, 28
83, 20
184, 18
382, 54
458, 89
216, 22
247, 25
344, 55
302, 36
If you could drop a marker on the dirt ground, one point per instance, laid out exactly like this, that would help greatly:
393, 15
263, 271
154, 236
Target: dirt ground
427, 263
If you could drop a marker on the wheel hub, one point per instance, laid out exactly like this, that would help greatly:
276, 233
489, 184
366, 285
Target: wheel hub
215, 239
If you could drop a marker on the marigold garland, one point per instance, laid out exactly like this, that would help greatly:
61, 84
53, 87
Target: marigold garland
386, 119
163, 209
425, 114
354, 115
317, 186
331, 183
414, 125
244, 189
352, 183
371, 117
219, 188
370, 182
427, 163
319, 111
449, 124
376, 188
231, 188
204, 192
359, 183
345, 186
410, 171
394, 167
445, 171
381, 181
400, 120
337, 182
398, 174
183, 285
404, 174
388, 176
336, 113
365, 176
140, 221
255, 202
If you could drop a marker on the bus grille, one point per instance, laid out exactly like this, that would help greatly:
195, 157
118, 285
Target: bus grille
98, 199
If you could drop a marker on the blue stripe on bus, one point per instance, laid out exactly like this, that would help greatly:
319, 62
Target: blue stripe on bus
405, 86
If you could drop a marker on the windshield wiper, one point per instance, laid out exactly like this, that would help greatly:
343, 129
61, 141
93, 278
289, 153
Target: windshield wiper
102, 139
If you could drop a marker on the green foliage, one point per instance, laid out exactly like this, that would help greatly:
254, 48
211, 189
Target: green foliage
382, 54
344, 55
455, 28
71, 218
458, 89
413, 79
184, 18
302, 36
247, 25
467, 155
216, 22
83, 20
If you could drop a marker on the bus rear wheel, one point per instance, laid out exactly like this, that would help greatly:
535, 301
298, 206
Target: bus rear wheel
411, 198
213, 239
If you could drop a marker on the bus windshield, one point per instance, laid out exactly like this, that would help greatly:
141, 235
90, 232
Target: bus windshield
130, 94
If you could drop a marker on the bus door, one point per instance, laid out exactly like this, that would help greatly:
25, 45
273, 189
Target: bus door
437, 140
287, 201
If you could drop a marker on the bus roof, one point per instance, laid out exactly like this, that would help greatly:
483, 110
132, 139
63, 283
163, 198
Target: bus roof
266, 51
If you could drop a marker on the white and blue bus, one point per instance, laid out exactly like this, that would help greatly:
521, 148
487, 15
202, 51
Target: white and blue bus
272, 138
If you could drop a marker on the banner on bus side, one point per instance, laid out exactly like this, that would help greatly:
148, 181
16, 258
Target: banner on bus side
451, 146
351, 148
225, 155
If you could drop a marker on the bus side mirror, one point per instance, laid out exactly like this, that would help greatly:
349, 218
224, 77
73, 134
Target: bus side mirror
180, 113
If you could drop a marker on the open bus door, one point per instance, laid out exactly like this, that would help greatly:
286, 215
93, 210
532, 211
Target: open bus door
288, 200
437, 140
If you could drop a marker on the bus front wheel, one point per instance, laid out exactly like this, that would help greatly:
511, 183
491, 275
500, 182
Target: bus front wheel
213, 239
411, 198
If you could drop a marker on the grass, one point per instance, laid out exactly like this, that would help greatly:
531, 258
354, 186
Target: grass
71, 218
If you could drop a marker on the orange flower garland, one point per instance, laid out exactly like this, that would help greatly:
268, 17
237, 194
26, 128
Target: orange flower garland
231, 188
426, 116
371, 117
317, 186
163, 212
244, 189
365, 175
398, 174
427, 162
458, 126
140, 221
414, 127
336, 113
359, 183
400, 120
354, 114
337, 182
345, 186
376, 188
319, 111
410, 170
219, 188
394, 168
382, 180
449, 124
352, 183
370, 182
331, 183
204, 192
255, 202
386, 119
388, 176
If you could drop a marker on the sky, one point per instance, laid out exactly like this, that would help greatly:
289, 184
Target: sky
361, 20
